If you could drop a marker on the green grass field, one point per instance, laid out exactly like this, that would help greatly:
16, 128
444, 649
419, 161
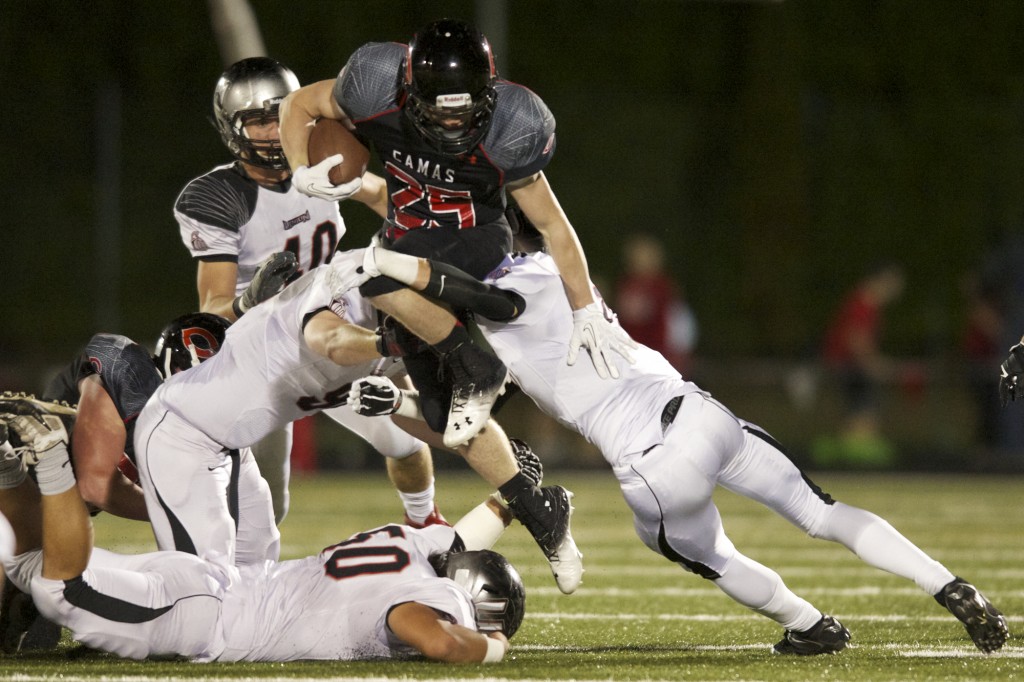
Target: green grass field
638, 616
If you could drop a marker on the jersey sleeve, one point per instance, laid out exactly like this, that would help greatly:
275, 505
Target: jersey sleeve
522, 135
211, 211
368, 84
127, 371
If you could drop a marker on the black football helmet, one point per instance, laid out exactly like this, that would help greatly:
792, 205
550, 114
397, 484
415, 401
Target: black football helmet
448, 81
252, 90
187, 341
497, 590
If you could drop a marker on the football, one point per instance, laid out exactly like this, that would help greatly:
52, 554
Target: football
332, 137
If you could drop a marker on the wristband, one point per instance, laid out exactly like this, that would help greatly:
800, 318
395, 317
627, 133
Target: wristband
495, 651
236, 306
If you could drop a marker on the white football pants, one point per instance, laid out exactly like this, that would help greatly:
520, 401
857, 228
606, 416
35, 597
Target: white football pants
669, 489
201, 498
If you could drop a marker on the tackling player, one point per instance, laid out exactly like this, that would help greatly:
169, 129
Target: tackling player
670, 443
251, 231
294, 355
453, 138
390, 592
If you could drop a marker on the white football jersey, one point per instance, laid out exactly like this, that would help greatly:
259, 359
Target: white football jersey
265, 375
335, 605
620, 416
225, 215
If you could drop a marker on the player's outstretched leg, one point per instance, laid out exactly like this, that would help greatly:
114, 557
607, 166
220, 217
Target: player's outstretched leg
546, 513
827, 636
477, 377
984, 622
763, 472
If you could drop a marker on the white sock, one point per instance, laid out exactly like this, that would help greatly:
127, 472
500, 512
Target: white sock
418, 506
877, 543
761, 589
480, 528
53, 473
12, 471
398, 266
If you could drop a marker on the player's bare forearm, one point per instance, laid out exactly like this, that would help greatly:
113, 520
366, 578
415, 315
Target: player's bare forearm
339, 341
374, 193
298, 110
215, 283
420, 626
540, 205
567, 253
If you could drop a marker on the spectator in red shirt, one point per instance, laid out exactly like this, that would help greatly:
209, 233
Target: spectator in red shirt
851, 348
650, 306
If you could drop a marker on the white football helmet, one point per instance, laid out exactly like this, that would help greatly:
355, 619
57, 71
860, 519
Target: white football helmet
252, 90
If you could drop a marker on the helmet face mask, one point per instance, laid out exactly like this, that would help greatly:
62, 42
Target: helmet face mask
493, 583
188, 340
249, 94
448, 83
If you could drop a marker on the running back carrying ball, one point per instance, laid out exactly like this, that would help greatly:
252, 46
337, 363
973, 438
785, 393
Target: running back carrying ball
332, 137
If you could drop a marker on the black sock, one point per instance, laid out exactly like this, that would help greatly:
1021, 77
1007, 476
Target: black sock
515, 486
458, 337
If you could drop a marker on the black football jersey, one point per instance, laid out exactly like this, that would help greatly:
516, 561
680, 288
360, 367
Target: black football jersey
428, 188
127, 371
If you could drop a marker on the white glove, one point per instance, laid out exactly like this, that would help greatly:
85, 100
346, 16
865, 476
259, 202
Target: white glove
314, 181
346, 272
593, 331
374, 396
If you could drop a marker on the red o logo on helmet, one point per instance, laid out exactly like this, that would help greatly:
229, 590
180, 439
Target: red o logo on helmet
200, 342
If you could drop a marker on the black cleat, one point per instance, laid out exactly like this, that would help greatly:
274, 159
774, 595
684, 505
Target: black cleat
546, 513
985, 623
478, 378
827, 636
27, 405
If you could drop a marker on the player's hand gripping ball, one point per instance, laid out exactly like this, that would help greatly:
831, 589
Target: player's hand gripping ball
330, 137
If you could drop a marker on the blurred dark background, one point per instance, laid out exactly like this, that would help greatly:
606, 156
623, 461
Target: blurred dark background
776, 149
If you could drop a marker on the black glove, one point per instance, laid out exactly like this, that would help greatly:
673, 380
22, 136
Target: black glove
1011, 376
374, 396
271, 276
529, 462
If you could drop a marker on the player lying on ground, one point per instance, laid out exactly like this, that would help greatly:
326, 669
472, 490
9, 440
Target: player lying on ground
669, 444
390, 592
291, 356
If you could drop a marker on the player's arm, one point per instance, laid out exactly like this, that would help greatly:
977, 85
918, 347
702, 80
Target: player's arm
538, 202
429, 633
215, 282
340, 341
374, 193
445, 283
592, 324
97, 446
298, 111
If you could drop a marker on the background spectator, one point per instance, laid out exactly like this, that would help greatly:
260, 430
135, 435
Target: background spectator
851, 349
650, 304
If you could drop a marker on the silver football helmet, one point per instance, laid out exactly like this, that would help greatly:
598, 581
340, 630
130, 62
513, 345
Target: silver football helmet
493, 583
251, 90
